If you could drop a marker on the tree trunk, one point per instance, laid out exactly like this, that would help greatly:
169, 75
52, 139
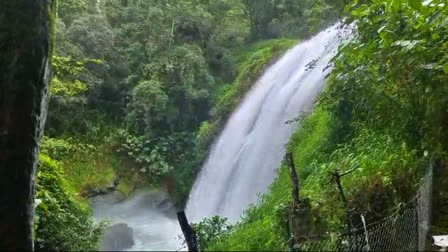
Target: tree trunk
25, 47
187, 230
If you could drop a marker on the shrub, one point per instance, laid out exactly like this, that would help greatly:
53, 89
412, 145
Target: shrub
210, 230
62, 222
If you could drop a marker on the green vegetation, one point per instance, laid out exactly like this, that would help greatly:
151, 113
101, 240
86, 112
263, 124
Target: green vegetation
139, 91
252, 62
383, 111
142, 88
89, 166
210, 230
62, 221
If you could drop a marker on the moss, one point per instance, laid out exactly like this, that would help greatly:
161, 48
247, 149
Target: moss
130, 180
87, 166
84, 171
125, 186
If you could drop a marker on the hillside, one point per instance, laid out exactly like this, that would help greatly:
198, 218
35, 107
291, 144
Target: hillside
381, 118
142, 89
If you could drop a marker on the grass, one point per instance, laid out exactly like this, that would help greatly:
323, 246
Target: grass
89, 171
243, 53
387, 176
86, 166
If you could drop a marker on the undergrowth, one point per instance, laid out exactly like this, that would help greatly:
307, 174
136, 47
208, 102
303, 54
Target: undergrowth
62, 219
91, 164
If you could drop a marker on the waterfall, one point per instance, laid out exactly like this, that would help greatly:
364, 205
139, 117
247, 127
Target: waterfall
243, 160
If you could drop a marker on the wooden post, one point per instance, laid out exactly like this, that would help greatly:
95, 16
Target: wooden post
294, 179
187, 230
299, 216
337, 178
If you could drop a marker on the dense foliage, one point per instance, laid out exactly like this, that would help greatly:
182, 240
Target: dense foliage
62, 222
210, 230
147, 73
142, 87
384, 111
271, 19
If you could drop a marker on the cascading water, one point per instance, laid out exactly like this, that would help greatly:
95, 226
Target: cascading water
244, 159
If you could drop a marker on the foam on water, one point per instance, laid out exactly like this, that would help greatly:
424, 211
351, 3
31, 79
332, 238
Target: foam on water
150, 215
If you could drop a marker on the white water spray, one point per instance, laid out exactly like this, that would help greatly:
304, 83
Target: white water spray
145, 222
244, 159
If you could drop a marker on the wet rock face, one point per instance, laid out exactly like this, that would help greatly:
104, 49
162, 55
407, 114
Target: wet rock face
25, 73
117, 237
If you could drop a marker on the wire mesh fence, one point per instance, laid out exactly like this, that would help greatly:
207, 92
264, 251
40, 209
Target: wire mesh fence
406, 230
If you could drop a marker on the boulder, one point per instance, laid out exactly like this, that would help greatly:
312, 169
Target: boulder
117, 237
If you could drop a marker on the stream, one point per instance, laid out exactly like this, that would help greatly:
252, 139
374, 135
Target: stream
146, 221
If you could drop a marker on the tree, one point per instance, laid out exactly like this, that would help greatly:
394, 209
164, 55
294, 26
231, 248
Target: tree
68, 10
290, 18
25, 48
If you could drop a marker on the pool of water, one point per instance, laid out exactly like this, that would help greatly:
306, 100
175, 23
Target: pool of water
144, 222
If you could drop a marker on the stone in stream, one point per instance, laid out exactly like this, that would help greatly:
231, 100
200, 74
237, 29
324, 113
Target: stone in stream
117, 237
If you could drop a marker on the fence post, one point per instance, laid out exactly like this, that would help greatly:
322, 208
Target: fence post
365, 232
294, 179
425, 204
295, 201
337, 178
301, 220
417, 221
187, 230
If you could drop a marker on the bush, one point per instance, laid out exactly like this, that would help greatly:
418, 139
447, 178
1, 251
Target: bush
56, 148
62, 222
210, 230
